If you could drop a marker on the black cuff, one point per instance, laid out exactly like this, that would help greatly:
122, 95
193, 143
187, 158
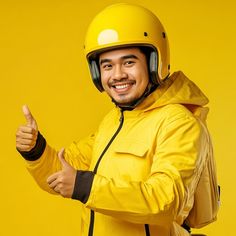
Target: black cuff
83, 185
37, 151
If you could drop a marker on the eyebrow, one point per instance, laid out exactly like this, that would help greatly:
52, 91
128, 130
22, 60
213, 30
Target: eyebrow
129, 56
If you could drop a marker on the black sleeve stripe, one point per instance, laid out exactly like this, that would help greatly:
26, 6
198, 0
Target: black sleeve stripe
83, 185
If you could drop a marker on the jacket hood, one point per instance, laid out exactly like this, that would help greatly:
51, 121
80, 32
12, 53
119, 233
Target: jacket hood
177, 89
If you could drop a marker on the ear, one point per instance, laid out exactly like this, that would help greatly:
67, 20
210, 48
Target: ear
95, 73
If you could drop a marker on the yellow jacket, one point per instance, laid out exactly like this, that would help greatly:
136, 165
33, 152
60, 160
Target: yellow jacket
144, 183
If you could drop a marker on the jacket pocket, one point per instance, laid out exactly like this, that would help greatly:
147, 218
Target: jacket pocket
130, 161
133, 147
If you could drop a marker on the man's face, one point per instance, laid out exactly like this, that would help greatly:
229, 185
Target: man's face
124, 74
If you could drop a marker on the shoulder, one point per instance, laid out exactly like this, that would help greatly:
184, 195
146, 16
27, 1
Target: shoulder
172, 112
176, 115
176, 111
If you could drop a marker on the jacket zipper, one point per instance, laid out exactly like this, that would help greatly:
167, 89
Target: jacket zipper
147, 231
91, 225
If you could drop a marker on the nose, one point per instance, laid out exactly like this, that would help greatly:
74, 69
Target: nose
119, 73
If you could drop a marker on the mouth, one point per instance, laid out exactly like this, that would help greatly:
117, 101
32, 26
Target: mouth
122, 87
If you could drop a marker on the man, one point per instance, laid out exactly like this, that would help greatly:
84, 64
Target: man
138, 173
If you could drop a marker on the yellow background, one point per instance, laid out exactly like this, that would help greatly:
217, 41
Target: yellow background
42, 65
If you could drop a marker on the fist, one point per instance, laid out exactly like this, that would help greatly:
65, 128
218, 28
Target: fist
26, 135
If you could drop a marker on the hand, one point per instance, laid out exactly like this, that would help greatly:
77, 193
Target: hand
63, 181
26, 135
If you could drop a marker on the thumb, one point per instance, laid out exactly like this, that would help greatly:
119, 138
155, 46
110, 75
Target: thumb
61, 157
28, 116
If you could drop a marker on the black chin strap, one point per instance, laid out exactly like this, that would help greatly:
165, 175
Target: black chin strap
150, 88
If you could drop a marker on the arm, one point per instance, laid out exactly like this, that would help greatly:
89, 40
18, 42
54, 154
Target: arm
77, 155
41, 159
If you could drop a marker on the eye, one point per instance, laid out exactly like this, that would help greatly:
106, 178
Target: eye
107, 66
129, 63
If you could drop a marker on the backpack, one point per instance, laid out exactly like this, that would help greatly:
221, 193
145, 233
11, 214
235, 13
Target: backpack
207, 194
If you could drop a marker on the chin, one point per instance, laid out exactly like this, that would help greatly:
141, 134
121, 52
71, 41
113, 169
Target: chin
124, 103
124, 100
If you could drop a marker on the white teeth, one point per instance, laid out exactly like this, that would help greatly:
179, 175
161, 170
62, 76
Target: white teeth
121, 86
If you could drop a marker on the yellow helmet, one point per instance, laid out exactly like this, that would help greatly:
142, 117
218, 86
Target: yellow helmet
122, 25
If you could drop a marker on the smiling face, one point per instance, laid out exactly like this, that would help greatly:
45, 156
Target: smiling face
124, 74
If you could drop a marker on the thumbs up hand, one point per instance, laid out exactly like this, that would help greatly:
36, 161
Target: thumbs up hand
31, 122
63, 181
26, 135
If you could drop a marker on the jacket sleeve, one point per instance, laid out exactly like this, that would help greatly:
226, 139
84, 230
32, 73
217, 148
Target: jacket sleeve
163, 196
78, 154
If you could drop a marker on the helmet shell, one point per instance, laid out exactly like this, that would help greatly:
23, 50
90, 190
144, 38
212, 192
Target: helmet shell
122, 25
